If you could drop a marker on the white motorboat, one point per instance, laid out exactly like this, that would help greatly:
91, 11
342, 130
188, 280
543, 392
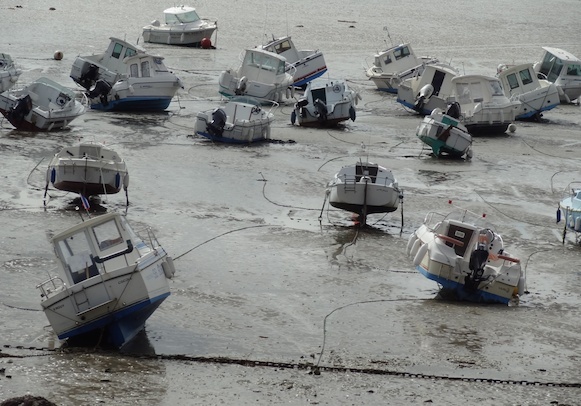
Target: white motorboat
564, 70
108, 282
262, 75
428, 91
466, 257
325, 103
9, 73
570, 210
484, 108
125, 77
364, 188
240, 121
445, 134
395, 64
520, 83
89, 169
308, 64
43, 105
182, 26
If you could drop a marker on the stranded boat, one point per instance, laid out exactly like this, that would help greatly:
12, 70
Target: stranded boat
240, 121
307, 64
393, 65
325, 104
109, 281
182, 26
364, 188
44, 105
89, 169
9, 73
466, 257
564, 70
125, 77
445, 134
262, 75
535, 95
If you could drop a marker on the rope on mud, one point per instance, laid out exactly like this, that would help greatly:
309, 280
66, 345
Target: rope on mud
221, 235
309, 367
279, 204
506, 215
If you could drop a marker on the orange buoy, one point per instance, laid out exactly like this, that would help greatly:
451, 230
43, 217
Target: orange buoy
206, 43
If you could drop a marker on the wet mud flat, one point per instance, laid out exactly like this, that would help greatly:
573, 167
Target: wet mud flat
268, 276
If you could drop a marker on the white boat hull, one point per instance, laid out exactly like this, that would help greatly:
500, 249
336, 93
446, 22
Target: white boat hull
177, 36
445, 135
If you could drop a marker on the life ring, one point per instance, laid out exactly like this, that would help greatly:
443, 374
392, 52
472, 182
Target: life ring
510, 259
450, 240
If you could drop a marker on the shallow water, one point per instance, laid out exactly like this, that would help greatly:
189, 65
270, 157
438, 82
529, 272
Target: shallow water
259, 277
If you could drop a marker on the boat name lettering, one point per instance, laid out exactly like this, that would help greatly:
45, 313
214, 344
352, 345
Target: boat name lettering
54, 309
123, 281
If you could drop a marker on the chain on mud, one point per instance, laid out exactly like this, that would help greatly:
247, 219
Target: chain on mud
308, 367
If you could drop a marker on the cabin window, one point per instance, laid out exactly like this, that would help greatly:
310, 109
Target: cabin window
133, 70
282, 47
525, 76
145, 69
496, 88
555, 70
182, 18
512, 80
75, 252
401, 53
117, 50
130, 52
574, 70
107, 235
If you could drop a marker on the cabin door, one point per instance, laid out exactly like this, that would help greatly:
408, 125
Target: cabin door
437, 81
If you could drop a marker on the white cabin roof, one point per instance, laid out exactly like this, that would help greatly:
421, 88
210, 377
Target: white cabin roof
561, 54
178, 10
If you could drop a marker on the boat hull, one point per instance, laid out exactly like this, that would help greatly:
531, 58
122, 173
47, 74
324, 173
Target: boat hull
173, 36
309, 68
360, 197
135, 103
443, 137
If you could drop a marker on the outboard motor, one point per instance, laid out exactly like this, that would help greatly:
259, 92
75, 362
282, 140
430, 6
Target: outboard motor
301, 104
425, 93
101, 90
478, 259
453, 110
321, 110
216, 126
89, 78
20, 110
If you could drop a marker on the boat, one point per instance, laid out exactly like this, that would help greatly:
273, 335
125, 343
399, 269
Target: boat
182, 26
570, 210
125, 78
9, 73
262, 75
325, 103
445, 134
428, 91
43, 105
241, 120
520, 83
466, 257
395, 64
364, 188
308, 64
107, 283
564, 70
89, 169
484, 109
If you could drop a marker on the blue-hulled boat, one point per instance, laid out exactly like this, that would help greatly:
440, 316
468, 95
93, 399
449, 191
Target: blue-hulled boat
109, 282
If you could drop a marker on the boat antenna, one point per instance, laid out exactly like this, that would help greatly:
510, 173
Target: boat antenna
388, 36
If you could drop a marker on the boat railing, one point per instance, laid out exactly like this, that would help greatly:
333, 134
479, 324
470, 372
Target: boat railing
376, 180
51, 286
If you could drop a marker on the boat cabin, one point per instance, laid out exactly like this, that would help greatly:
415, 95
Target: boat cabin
556, 63
262, 66
284, 47
97, 246
474, 89
397, 59
180, 15
519, 79
328, 92
49, 94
